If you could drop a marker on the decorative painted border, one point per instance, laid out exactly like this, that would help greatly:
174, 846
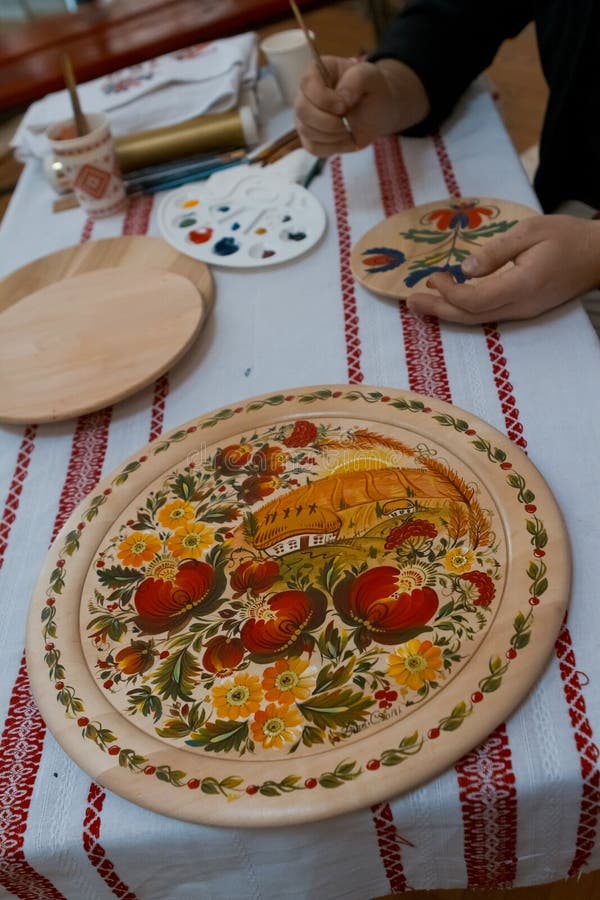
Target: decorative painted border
409, 745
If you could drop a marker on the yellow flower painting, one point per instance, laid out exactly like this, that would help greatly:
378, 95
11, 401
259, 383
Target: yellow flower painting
239, 697
415, 663
139, 548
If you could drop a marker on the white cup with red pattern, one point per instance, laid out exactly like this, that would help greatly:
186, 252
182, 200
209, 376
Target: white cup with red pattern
90, 165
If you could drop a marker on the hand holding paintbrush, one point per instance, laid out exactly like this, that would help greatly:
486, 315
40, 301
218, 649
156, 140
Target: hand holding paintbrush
323, 71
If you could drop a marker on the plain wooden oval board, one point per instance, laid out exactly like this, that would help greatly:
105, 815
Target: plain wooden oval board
133, 251
87, 341
397, 256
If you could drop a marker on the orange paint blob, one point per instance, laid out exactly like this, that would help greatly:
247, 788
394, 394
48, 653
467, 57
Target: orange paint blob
189, 203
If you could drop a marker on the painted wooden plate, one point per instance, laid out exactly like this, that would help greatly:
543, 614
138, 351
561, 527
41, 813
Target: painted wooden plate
242, 220
298, 606
397, 256
56, 361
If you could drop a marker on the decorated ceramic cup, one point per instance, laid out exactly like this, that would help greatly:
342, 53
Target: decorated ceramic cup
90, 165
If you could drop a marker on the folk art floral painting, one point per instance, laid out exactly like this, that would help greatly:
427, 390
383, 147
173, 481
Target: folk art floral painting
400, 254
273, 604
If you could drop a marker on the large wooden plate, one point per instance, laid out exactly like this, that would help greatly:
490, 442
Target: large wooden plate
298, 606
89, 325
399, 254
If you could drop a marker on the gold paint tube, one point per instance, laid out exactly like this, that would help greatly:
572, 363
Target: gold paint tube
204, 134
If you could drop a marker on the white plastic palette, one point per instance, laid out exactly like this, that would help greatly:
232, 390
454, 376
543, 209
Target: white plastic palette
242, 220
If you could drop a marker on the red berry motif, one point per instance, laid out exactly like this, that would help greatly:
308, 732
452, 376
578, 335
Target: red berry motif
539, 553
193, 783
506, 465
114, 750
511, 654
303, 433
82, 721
433, 733
149, 770
530, 507
534, 601
373, 765
477, 697
310, 783
252, 789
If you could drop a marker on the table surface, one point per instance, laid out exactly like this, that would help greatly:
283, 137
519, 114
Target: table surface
520, 809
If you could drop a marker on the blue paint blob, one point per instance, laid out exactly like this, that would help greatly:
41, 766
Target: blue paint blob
226, 246
235, 226
223, 208
296, 235
286, 218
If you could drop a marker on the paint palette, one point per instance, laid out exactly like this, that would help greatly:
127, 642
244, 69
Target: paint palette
242, 221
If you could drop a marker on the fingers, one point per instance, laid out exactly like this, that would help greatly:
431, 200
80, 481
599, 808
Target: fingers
319, 110
503, 248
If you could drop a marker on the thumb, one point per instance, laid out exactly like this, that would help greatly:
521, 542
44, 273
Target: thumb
355, 82
500, 250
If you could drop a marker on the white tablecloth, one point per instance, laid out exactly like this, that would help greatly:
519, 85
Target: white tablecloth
522, 808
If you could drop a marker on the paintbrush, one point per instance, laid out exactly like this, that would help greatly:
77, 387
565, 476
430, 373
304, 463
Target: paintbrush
323, 72
81, 123
264, 154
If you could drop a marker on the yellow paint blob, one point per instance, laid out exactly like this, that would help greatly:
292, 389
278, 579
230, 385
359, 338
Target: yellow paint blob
189, 203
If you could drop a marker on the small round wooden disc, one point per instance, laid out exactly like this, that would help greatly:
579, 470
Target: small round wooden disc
398, 255
88, 341
133, 251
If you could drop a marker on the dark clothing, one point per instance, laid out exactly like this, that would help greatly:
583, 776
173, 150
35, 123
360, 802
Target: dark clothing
449, 42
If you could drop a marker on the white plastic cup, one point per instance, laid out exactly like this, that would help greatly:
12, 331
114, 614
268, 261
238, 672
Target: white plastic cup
288, 55
90, 165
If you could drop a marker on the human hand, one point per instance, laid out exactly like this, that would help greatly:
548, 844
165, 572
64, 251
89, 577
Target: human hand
377, 98
556, 258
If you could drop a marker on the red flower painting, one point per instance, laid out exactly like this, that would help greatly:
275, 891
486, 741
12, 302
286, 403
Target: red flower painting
460, 215
375, 605
222, 655
166, 606
255, 576
281, 624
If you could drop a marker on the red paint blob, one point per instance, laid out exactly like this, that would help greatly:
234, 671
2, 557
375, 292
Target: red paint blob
201, 236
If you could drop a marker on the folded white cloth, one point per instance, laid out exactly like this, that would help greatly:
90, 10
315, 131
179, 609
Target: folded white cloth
203, 78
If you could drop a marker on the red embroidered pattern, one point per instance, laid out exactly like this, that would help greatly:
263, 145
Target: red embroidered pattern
136, 221
351, 330
514, 428
96, 854
588, 753
21, 748
389, 842
137, 218
16, 486
22, 738
161, 390
488, 806
489, 803
422, 337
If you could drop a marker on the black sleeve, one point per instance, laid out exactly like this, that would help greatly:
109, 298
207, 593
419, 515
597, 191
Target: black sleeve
447, 43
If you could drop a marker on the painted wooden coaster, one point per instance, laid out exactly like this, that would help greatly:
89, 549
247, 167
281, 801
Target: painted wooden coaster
398, 255
69, 321
242, 220
299, 606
